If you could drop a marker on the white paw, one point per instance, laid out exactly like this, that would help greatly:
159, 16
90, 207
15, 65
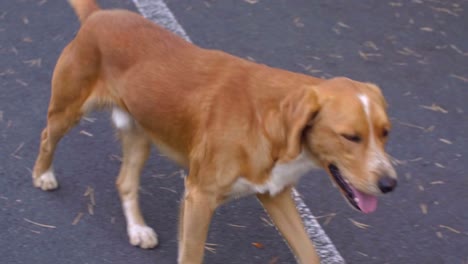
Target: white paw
142, 236
46, 181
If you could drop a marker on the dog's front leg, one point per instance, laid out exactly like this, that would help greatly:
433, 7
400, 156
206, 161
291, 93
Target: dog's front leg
283, 212
197, 208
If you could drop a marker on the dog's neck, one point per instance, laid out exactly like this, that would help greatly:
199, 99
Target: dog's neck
282, 175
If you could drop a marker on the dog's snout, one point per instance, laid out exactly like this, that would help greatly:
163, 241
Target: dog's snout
387, 184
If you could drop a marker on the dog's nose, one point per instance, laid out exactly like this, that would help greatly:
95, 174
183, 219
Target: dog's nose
387, 184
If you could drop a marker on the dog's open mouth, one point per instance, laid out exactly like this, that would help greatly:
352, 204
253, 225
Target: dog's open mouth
363, 202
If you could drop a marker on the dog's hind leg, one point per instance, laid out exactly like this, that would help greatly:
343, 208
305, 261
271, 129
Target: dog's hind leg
70, 90
135, 148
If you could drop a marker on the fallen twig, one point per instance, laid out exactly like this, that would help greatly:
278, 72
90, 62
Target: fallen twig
77, 218
38, 224
358, 224
450, 229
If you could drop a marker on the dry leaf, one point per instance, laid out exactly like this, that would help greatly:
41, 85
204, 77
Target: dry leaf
427, 29
444, 10
88, 191
459, 51
402, 64
14, 50
367, 56
358, 224
409, 52
211, 247
461, 78
335, 56
14, 154
435, 108
267, 222
274, 260
34, 62
343, 25
446, 141
298, 22
326, 215
23, 83
423, 208
237, 226
257, 245
89, 119
77, 218
371, 45
328, 220
7, 72
90, 209
168, 189
86, 133
115, 157
395, 4
429, 129
437, 182
39, 224
450, 229
92, 202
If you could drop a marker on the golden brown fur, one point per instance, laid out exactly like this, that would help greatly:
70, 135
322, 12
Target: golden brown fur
218, 115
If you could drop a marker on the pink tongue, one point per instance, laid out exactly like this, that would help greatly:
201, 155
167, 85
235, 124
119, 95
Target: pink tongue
367, 202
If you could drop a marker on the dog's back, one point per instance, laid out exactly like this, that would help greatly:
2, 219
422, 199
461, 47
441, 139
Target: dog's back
84, 8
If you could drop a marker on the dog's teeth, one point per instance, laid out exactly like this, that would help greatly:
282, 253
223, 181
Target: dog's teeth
356, 199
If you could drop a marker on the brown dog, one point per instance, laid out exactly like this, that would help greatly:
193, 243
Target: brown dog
241, 128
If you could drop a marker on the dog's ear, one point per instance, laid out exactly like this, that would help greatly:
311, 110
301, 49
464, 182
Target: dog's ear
376, 90
298, 110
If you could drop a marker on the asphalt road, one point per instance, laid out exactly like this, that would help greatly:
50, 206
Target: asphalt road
417, 51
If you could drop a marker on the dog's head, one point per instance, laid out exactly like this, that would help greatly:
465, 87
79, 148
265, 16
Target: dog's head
343, 124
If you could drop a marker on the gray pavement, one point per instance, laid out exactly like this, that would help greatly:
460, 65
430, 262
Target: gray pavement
417, 51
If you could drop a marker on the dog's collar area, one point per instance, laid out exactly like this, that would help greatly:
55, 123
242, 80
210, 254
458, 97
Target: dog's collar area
345, 187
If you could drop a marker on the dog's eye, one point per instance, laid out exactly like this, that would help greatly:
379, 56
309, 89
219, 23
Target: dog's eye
385, 132
353, 138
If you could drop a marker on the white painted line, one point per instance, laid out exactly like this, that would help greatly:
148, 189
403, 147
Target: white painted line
158, 12
325, 248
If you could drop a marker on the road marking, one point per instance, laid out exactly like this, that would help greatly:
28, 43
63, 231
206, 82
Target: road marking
158, 12
325, 248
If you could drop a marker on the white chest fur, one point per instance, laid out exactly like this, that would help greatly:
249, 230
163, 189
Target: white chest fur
282, 175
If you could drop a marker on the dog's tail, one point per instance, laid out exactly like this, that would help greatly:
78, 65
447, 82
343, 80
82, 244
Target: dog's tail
84, 8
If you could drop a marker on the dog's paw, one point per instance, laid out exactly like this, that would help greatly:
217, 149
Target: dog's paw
46, 181
142, 236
